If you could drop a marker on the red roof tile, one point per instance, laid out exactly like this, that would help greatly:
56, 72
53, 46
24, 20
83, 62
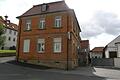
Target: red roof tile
97, 49
8, 24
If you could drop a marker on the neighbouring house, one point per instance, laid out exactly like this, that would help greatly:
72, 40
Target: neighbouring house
112, 49
84, 52
96, 52
10, 34
49, 35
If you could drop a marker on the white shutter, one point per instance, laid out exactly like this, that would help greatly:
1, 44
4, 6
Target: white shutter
26, 45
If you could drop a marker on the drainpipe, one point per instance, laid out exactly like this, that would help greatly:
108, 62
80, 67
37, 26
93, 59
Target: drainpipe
18, 41
68, 38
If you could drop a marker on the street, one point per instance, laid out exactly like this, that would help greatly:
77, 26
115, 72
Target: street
12, 71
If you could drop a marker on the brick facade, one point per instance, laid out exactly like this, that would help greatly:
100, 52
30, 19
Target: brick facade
68, 57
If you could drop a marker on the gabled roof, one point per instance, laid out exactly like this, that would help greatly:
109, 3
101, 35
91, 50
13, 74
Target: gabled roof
113, 41
8, 24
51, 7
12, 26
84, 44
97, 49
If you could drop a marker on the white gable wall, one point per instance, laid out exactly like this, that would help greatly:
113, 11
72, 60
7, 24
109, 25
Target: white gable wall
113, 47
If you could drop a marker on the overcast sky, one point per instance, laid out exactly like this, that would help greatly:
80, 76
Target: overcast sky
99, 19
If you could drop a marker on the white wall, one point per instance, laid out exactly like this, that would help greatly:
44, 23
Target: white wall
118, 49
9, 43
93, 55
117, 62
112, 47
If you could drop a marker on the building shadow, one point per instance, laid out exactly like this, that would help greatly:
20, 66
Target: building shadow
14, 62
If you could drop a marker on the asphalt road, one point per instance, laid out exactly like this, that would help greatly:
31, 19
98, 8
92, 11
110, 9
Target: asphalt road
10, 71
18, 71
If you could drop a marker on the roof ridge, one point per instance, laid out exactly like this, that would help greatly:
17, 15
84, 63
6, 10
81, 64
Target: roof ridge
49, 3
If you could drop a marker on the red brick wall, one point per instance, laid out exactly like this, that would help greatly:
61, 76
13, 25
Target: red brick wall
48, 34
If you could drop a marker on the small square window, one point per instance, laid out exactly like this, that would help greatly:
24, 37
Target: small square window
10, 31
28, 25
44, 7
9, 38
14, 39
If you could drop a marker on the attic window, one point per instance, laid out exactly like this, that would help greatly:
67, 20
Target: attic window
44, 7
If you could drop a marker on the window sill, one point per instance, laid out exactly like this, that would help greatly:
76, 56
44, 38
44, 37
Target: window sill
27, 30
57, 52
41, 52
42, 29
25, 52
57, 27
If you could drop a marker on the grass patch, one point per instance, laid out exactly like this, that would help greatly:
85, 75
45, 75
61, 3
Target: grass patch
7, 51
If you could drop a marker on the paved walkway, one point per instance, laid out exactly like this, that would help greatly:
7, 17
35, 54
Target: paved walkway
106, 72
87, 71
6, 59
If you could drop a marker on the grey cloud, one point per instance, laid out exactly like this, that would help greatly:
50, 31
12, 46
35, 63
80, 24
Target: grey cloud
89, 30
102, 22
109, 22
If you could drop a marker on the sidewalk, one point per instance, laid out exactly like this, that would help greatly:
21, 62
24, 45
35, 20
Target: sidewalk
6, 59
87, 71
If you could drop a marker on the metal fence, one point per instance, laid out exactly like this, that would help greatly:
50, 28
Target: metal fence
102, 61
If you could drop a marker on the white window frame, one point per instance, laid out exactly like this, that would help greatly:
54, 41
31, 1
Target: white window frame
28, 25
41, 45
58, 21
26, 45
57, 45
42, 23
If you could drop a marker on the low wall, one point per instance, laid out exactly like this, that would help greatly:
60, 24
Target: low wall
117, 62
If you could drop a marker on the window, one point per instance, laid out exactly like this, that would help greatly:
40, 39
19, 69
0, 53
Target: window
14, 39
14, 32
26, 45
58, 21
41, 45
28, 25
9, 38
57, 44
10, 31
42, 23
44, 7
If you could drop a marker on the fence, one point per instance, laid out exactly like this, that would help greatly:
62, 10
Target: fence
102, 62
114, 62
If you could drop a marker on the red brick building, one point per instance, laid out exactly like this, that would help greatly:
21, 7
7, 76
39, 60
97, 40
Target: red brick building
49, 35
84, 52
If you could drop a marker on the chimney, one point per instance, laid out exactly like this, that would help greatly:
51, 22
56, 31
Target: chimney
6, 17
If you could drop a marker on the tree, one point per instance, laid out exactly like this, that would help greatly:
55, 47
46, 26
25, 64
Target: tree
2, 38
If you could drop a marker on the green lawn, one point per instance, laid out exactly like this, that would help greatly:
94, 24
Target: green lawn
7, 51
